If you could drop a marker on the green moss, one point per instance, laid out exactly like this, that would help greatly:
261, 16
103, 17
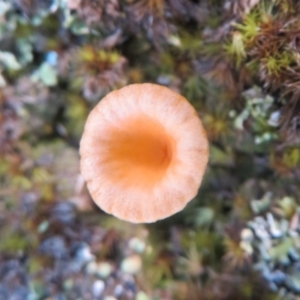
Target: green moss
291, 157
12, 242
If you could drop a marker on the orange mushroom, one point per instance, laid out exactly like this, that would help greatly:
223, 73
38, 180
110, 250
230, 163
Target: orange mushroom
143, 153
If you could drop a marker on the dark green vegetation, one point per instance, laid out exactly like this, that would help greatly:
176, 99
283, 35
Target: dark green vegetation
238, 63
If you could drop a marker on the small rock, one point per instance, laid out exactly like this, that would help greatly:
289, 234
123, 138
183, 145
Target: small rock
264, 253
60, 296
164, 80
247, 235
273, 287
28, 202
98, 288
294, 254
142, 296
104, 269
131, 264
118, 290
137, 245
68, 284
247, 247
91, 268
52, 57
293, 283
277, 276
43, 227
274, 119
4, 293
110, 298
129, 285
274, 228
55, 247
64, 212
262, 233
83, 254
19, 293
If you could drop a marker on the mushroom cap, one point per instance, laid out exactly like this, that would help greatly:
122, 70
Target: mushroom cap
143, 153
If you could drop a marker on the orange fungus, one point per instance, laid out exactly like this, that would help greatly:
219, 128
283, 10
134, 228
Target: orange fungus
143, 153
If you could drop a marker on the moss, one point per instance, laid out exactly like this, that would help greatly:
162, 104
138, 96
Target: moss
236, 62
12, 242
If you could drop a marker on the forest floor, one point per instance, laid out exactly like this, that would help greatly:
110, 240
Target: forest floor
237, 62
